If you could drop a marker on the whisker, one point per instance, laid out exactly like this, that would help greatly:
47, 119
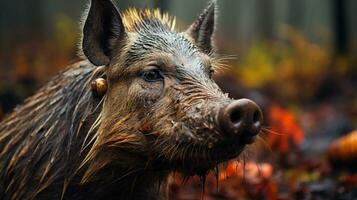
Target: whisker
127, 174
225, 57
265, 144
258, 165
272, 132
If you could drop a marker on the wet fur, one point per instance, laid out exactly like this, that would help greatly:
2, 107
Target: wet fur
40, 140
45, 143
63, 142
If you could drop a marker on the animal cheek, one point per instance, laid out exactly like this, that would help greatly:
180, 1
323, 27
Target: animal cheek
144, 95
152, 91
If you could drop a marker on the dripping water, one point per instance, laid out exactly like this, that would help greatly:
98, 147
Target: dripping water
216, 174
243, 170
203, 185
184, 180
159, 186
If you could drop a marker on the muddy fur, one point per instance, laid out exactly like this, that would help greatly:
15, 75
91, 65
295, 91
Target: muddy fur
66, 143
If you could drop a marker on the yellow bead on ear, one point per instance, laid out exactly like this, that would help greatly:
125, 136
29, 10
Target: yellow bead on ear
99, 87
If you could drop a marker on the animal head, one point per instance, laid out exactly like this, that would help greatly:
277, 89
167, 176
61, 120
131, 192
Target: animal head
162, 106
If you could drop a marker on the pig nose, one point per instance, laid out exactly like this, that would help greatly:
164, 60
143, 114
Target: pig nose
241, 117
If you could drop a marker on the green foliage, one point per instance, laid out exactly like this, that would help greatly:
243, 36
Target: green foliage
293, 69
65, 32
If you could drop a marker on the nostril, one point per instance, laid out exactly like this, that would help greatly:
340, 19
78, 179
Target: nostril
241, 118
236, 116
256, 117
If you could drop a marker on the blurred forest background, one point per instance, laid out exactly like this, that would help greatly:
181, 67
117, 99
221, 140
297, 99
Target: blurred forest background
296, 58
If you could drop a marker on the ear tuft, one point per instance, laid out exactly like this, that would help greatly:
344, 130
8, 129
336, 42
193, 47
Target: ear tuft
103, 28
203, 28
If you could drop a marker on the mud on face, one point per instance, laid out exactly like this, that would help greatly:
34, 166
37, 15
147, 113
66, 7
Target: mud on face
160, 82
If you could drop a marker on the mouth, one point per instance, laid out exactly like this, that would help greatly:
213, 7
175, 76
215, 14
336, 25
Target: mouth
198, 159
203, 140
229, 149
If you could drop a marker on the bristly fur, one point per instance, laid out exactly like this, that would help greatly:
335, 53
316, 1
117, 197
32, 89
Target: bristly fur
66, 143
134, 20
47, 141
42, 138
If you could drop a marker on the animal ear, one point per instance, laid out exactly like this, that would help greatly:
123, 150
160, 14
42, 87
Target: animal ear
103, 30
202, 29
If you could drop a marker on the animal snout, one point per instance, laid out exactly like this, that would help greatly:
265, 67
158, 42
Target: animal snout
241, 118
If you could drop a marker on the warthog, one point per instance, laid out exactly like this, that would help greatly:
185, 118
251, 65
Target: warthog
141, 105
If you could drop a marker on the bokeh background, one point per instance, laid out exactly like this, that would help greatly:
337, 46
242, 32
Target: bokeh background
296, 58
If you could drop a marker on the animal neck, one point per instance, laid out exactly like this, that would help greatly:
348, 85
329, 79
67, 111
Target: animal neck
127, 184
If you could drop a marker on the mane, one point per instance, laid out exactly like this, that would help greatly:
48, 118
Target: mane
47, 140
137, 20
38, 140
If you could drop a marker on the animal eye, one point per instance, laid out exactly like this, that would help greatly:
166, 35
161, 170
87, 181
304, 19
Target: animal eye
152, 75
